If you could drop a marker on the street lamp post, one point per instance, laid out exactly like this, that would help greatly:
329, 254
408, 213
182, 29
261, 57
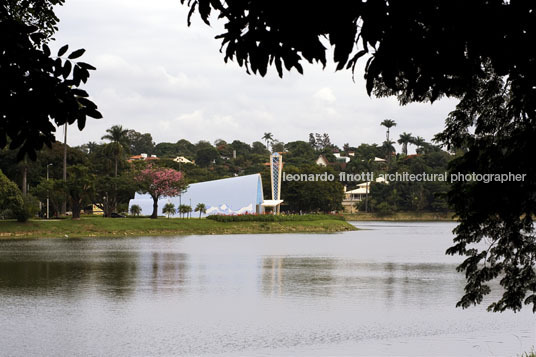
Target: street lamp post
48, 165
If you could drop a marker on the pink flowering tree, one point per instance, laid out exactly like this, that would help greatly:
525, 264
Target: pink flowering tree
160, 182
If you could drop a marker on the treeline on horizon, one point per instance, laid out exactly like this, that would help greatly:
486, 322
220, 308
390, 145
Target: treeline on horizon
110, 174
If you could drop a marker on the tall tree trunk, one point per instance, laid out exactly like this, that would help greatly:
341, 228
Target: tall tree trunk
25, 179
366, 198
75, 203
155, 208
115, 189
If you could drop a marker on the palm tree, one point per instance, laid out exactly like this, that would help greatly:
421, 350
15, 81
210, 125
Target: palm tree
188, 210
388, 123
119, 142
135, 210
405, 139
169, 209
201, 208
388, 148
185, 209
419, 142
268, 137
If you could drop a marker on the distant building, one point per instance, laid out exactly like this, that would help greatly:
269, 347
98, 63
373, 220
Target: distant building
339, 158
322, 161
143, 157
182, 160
96, 210
358, 194
235, 195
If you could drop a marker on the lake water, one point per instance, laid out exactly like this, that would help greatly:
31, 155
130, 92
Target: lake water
385, 290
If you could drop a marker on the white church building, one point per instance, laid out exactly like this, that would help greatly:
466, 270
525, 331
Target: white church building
235, 195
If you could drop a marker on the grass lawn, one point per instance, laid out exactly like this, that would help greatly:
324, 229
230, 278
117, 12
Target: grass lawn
101, 227
400, 216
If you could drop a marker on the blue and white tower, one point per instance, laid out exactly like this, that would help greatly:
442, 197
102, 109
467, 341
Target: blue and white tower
276, 168
276, 172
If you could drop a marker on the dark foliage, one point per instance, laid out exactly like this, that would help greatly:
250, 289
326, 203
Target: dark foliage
496, 231
316, 195
37, 89
420, 51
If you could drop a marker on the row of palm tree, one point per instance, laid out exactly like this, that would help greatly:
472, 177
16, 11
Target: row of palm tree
405, 138
169, 209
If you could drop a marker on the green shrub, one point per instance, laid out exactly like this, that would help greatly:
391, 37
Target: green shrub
28, 209
531, 353
135, 210
11, 200
384, 209
6, 213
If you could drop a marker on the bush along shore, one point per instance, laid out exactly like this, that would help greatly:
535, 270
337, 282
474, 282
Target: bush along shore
401, 216
91, 226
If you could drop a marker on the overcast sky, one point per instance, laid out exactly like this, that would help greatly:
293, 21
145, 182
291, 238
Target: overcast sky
155, 74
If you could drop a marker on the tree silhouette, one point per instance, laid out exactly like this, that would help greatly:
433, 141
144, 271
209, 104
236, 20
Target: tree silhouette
388, 123
481, 52
185, 209
119, 142
135, 210
79, 188
268, 137
169, 209
388, 149
201, 208
38, 90
496, 232
405, 139
439, 46
420, 143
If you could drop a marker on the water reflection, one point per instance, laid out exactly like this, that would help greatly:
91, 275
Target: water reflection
298, 276
402, 283
110, 273
384, 289
114, 273
169, 272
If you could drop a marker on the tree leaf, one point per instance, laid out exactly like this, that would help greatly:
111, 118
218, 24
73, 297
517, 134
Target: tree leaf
77, 53
86, 66
81, 123
66, 69
46, 50
62, 50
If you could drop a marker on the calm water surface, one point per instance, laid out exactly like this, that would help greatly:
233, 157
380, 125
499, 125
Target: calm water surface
385, 290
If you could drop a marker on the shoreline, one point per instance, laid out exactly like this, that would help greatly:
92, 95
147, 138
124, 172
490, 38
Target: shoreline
96, 226
89, 227
401, 217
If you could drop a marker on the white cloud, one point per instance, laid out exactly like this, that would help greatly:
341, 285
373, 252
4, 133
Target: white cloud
325, 94
154, 74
